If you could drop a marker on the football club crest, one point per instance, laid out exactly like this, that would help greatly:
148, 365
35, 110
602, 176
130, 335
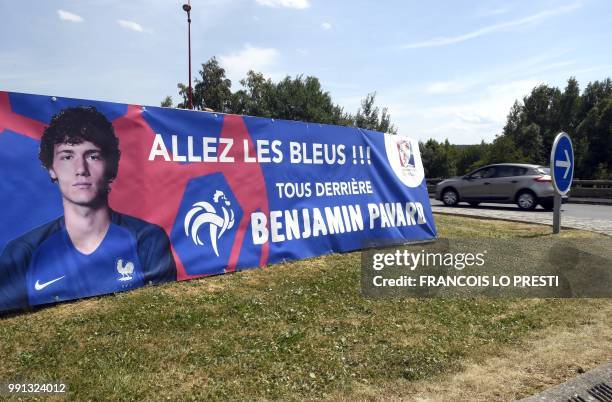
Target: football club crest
406, 155
405, 160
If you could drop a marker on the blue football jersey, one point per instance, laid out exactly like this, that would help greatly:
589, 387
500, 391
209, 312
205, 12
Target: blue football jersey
43, 266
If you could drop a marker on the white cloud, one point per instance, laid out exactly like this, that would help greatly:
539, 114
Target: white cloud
470, 118
299, 4
551, 66
479, 115
326, 26
131, 25
492, 104
446, 87
68, 16
493, 28
526, 68
592, 69
468, 107
258, 59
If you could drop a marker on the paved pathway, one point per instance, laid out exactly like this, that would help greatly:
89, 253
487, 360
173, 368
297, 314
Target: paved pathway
603, 226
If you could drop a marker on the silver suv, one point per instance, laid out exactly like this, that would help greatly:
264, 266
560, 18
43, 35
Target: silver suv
506, 183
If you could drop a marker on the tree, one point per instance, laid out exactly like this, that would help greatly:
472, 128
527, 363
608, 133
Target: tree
530, 143
602, 172
542, 107
212, 89
597, 128
546, 111
167, 102
503, 149
469, 157
515, 119
570, 106
370, 117
437, 158
255, 98
300, 98
594, 93
531, 127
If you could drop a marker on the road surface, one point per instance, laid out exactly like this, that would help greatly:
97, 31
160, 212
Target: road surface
597, 218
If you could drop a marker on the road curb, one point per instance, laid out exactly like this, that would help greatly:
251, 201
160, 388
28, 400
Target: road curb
524, 220
502, 219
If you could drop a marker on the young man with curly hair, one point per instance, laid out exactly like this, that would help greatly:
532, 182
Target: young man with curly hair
91, 249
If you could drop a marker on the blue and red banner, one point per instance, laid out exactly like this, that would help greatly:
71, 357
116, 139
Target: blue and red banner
195, 193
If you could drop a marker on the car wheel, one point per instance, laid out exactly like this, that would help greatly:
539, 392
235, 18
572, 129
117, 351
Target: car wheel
474, 203
526, 201
548, 205
450, 198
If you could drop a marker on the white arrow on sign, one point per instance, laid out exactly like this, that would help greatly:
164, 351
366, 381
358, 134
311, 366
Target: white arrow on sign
564, 164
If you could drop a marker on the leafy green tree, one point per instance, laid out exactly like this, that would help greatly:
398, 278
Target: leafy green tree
183, 93
212, 90
255, 98
300, 98
602, 172
503, 149
371, 117
582, 167
531, 127
529, 142
570, 106
594, 93
542, 107
469, 157
437, 159
597, 127
546, 111
515, 119
167, 102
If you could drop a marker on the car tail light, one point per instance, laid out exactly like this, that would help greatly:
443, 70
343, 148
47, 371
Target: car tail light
543, 179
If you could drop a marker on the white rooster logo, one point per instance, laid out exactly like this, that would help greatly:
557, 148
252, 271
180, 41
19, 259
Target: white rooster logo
205, 213
126, 270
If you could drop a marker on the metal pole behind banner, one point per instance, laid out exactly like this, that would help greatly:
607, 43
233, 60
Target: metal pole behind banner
557, 214
187, 8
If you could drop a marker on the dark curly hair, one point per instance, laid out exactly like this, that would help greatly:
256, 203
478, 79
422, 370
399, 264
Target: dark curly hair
75, 125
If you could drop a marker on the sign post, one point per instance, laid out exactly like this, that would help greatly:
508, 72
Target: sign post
562, 172
557, 214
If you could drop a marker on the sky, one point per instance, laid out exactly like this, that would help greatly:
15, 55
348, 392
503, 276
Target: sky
446, 69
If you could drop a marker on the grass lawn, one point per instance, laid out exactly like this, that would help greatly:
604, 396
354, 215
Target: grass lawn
301, 330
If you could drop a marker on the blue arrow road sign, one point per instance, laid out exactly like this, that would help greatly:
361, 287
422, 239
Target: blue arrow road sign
562, 163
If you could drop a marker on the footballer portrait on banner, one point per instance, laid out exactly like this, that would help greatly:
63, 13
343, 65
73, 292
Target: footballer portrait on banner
91, 249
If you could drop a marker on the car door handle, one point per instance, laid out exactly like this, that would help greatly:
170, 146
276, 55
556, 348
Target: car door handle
486, 183
514, 181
